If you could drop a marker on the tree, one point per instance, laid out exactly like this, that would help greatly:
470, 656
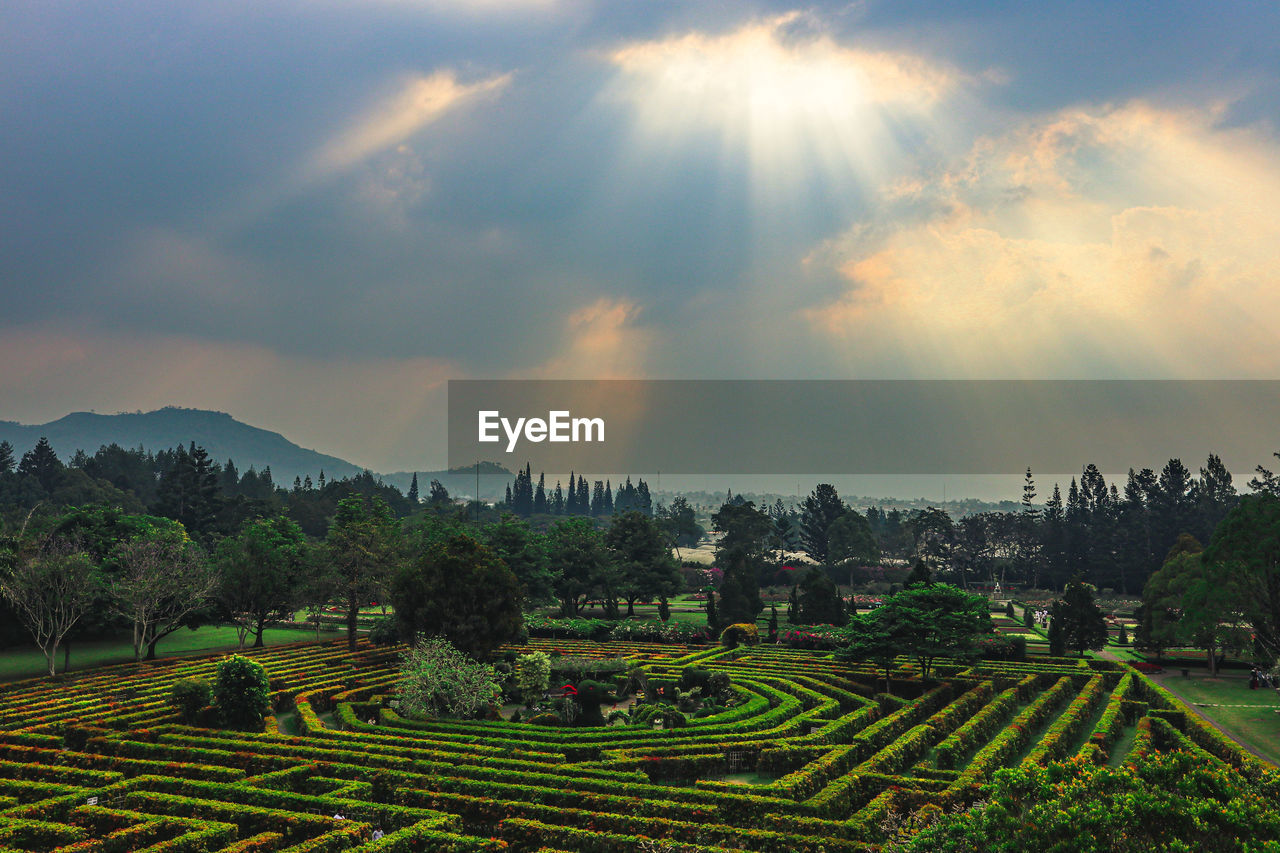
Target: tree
1243, 564
577, 550
439, 495
851, 542
460, 590
361, 550
933, 535
6, 458
818, 512
189, 696
740, 552
1079, 618
681, 523
919, 576
876, 639
1179, 605
188, 490
50, 591
640, 552
1161, 801
533, 676
242, 693
163, 580
540, 496
819, 599
41, 464
930, 623
261, 574
1266, 481
525, 551
413, 490
437, 680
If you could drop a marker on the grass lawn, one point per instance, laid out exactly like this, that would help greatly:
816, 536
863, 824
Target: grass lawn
27, 661
1256, 727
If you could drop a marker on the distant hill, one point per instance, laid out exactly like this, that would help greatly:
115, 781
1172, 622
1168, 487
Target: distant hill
224, 438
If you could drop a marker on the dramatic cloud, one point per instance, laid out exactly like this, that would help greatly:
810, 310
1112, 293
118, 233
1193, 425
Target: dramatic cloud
306, 212
1120, 242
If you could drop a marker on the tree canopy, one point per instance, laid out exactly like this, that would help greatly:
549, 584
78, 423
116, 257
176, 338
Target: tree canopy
927, 623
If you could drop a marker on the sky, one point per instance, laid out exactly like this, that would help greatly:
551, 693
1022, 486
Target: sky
312, 213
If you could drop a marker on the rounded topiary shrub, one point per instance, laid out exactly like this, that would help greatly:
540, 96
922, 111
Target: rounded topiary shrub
242, 693
740, 634
189, 695
384, 632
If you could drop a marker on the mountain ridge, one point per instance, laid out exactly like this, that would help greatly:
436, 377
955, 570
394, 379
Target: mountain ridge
223, 437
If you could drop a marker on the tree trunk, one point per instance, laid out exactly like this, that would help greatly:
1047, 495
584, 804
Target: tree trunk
257, 640
151, 648
353, 611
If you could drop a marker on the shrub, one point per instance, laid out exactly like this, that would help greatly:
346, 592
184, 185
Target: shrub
242, 693
189, 695
1002, 647
533, 675
437, 680
1008, 610
741, 633
384, 632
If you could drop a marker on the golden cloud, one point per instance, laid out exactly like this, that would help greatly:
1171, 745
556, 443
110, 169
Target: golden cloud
1131, 239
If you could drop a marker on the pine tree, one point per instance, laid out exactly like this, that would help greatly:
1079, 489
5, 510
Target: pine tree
557, 501
307, 485
41, 464
644, 501
584, 496
6, 458
321, 480
571, 497
540, 496
413, 490
1029, 509
608, 499
188, 490
597, 499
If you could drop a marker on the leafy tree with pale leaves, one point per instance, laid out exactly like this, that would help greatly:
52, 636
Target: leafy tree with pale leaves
437, 680
50, 591
163, 580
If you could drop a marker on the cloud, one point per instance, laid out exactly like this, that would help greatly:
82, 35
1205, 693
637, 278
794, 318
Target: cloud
420, 101
603, 340
1129, 241
775, 65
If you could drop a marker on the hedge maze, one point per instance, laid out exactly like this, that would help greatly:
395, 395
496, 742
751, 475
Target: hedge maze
813, 756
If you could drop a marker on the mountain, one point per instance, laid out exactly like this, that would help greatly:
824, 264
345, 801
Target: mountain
224, 438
